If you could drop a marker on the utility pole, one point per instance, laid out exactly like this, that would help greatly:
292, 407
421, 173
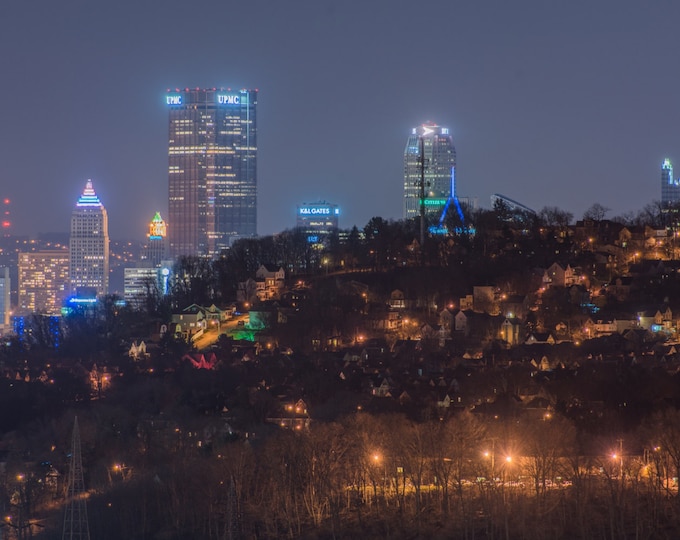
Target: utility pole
76, 526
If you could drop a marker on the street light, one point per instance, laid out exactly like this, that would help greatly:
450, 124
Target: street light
376, 458
491, 456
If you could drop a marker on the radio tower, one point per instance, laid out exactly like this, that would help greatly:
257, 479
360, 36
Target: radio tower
5, 222
75, 517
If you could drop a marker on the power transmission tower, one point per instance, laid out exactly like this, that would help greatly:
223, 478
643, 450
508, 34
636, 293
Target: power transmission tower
75, 518
232, 530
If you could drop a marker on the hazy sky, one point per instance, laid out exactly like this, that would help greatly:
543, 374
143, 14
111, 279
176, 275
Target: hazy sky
559, 103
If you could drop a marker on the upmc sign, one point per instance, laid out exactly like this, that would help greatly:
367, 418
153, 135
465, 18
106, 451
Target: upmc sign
315, 211
228, 99
173, 100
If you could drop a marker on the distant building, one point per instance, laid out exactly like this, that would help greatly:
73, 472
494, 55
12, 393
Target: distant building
512, 206
89, 244
670, 187
140, 284
212, 169
4, 301
317, 220
154, 251
43, 281
150, 277
434, 144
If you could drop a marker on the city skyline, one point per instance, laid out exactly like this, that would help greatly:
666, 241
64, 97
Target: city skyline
536, 96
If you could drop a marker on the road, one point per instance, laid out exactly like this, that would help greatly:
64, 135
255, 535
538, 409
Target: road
212, 333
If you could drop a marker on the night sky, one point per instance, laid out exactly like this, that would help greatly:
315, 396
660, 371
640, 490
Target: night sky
550, 103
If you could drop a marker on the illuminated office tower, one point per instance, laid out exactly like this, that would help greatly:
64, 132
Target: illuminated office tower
670, 187
317, 220
434, 144
4, 300
212, 169
43, 281
89, 244
154, 251
141, 283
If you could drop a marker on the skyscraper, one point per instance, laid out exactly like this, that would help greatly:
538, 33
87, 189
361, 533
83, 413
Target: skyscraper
89, 244
154, 251
4, 300
212, 169
317, 220
434, 144
43, 281
670, 187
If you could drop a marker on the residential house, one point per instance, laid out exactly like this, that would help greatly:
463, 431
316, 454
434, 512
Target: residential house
215, 316
380, 386
293, 415
447, 319
659, 320
270, 281
556, 276
511, 331
397, 299
138, 352
466, 302
593, 328
384, 319
536, 338
190, 322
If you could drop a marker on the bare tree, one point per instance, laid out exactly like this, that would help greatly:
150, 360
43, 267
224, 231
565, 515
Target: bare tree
596, 212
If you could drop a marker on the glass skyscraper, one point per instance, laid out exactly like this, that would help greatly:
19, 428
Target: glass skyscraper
89, 244
436, 146
4, 301
670, 187
212, 169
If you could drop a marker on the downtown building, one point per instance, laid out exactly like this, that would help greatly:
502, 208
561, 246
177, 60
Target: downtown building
43, 281
149, 278
670, 187
154, 249
430, 156
5, 307
89, 245
317, 221
212, 169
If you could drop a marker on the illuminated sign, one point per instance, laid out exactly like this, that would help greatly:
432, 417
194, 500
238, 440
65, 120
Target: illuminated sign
315, 211
173, 100
228, 99
435, 202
